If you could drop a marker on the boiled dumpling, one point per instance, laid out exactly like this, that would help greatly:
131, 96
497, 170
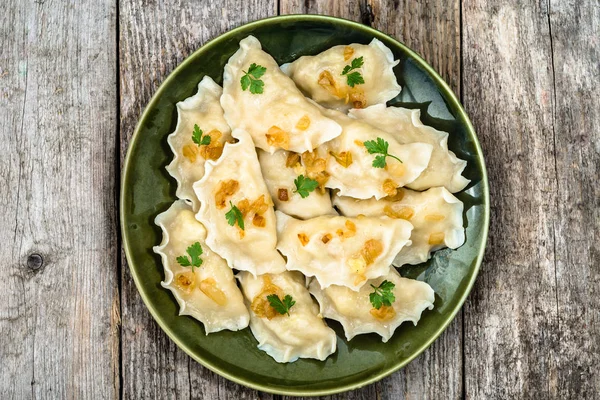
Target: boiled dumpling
435, 214
302, 333
236, 208
339, 250
357, 314
280, 170
405, 125
321, 77
202, 109
208, 292
261, 99
349, 165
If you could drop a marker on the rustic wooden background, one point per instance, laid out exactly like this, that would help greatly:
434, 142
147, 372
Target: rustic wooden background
75, 76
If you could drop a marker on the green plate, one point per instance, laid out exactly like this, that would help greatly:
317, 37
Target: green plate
147, 190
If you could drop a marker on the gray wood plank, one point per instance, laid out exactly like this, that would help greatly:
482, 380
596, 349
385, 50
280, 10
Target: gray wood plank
575, 33
530, 86
59, 297
433, 29
154, 38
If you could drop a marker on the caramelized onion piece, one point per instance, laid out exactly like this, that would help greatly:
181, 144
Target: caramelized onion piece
190, 151
186, 281
385, 313
260, 304
225, 191
282, 194
403, 213
292, 160
303, 239
209, 288
390, 187
277, 137
303, 123
348, 53
327, 82
259, 221
434, 217
344, 158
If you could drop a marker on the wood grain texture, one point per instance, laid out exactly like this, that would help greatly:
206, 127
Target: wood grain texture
433, 29
154, 38
58, 281
575, 38
532, 324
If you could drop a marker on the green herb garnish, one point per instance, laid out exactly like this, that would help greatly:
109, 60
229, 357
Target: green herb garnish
282, 307
251, 80
383, 295
194, 261
198, 138
379, 147
354, 78
304, 185
235, 216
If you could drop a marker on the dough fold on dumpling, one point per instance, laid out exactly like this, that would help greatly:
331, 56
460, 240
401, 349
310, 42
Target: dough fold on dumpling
302, 333
435, 214
339, 250
350, 165
405, 125
280, 170
321, 78
356, 313
208, 293
278, 118
202, 109
235, 180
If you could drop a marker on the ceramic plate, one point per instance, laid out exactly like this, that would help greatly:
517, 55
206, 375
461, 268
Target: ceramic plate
147, 190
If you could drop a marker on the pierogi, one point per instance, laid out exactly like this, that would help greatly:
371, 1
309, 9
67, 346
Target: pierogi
208, 292
191, 152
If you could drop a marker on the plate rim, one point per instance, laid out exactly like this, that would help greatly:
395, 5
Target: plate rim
125, 178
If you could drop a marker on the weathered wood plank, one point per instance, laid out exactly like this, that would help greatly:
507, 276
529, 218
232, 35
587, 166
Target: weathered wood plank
59, 310
511, 320
432, 29
154, 38
575, 39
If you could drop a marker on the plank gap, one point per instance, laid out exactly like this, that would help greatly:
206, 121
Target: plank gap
119, 378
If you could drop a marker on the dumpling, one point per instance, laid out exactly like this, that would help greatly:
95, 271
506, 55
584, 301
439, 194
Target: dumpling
302, 333
435, 214
350, 166
262, 100
209, 292
339, 250
405, 125
280, 169
321, 77
236, 208
356, 313
202, 109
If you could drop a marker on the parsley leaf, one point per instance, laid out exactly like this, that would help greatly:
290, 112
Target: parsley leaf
354, 78
235, 216
251, 79
379, 147
305, 185
198, 138
383, 295
357, 62
194, 251
282, 307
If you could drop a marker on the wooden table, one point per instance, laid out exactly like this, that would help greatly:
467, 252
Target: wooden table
74, 78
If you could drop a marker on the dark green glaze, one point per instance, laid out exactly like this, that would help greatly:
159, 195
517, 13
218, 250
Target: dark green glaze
147, 190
